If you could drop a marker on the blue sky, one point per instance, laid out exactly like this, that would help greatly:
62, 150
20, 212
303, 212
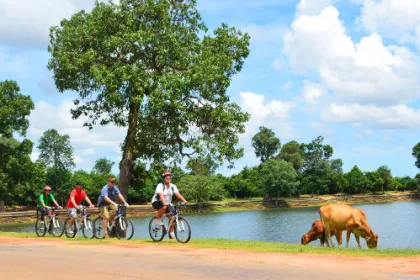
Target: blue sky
347, 70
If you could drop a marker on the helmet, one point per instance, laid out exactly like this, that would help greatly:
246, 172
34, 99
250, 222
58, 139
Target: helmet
166, 173
47, 188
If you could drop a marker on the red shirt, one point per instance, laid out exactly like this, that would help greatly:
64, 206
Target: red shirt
78, 197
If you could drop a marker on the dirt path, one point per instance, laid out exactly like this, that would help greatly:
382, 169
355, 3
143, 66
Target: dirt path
32, 258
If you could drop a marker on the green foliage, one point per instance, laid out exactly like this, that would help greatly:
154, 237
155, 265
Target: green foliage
292, 152
152, 66
317, 167
248, 183
356, 181
265, 143
279, 178
416, 154
103, 166
14, 110
202, 166
201, 189
56, 150
20, 177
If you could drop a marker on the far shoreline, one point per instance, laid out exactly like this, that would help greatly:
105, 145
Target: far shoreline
12, 217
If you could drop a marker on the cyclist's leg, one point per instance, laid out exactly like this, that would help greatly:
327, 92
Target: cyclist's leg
105, 217
112, 211
72, 213
44, 212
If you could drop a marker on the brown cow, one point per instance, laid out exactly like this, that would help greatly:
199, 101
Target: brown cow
349, 218
317, 232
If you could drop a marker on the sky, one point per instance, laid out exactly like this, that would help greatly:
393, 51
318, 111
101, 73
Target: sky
347, 70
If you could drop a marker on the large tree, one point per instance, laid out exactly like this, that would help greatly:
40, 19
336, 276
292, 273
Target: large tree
152, 66
316, 166
279, 178
18, 174
56, 150
265, 143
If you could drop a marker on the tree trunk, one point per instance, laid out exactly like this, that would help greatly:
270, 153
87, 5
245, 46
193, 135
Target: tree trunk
277, 196
2, 209
126, 169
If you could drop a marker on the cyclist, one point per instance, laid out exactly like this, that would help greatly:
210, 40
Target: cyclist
162, 199
106, 203
76, 197
44, 202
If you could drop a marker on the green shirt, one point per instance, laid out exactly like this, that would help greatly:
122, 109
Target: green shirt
47, 200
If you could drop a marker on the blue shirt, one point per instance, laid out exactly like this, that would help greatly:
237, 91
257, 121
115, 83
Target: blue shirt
111, 193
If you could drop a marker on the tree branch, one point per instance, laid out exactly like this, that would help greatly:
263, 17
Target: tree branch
180, 142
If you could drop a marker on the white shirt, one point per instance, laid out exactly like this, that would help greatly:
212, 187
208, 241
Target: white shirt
167, 193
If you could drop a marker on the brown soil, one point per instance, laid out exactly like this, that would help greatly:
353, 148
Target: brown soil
399, 265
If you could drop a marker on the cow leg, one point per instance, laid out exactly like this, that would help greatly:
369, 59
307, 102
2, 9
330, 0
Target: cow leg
357, 240
328, 235
348, 237
339, 237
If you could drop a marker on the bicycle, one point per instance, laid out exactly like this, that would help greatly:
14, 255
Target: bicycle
182, 227
121, 227
86, 224
54, 224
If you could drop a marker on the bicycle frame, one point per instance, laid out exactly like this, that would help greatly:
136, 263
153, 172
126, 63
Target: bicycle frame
52, 219
175, 216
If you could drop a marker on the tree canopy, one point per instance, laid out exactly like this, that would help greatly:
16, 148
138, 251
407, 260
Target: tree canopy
153, 67
265, 143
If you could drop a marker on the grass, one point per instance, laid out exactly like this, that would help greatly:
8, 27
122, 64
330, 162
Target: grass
244, 245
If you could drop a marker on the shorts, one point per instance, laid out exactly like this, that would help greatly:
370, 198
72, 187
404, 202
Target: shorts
44, 211
157, 205
72, 212
107, 210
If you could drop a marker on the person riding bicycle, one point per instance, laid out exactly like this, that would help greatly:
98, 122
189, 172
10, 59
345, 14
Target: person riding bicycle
106, 203
76, 197
44, 202
162, 199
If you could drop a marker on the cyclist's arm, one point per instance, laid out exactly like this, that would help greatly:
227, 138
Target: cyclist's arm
88, 201
74, 202
123, 199
181, 197
107, 199
42, 203
56, 204
162, 198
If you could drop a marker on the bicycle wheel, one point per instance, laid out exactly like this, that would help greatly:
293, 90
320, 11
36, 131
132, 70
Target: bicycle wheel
125, 229
56, 226
182, 230
156, 232
98, 228
88, 229
70, 231
40, 227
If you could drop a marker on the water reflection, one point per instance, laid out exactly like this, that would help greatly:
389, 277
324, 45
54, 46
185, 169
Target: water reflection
397, 225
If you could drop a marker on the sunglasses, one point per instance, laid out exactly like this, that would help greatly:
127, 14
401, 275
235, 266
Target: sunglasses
112, 182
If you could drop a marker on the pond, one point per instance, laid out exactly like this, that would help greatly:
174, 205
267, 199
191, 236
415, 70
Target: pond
397, 224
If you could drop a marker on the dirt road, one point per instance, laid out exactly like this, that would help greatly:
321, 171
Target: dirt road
57, 259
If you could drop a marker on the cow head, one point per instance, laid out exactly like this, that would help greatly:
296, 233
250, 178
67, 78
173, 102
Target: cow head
305, 239
372, 240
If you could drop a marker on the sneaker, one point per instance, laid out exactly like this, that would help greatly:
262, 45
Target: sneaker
171, 235
159, 223
70, 231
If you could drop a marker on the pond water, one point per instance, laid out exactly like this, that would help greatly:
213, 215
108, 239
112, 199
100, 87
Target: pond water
397, 224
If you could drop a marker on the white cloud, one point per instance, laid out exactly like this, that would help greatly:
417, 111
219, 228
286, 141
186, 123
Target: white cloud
364, 72
46, 116
78, 160
273, 114
392, 18
26, 23
393, 117
312, 7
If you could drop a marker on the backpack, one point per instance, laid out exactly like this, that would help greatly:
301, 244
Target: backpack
163, 190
